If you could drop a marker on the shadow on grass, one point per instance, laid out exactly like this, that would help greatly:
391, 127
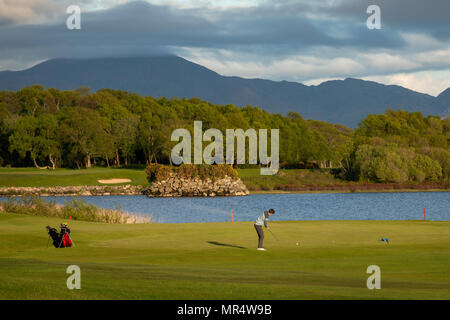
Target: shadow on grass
225, 244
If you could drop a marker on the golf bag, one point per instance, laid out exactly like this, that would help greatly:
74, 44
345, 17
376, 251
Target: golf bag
61, 239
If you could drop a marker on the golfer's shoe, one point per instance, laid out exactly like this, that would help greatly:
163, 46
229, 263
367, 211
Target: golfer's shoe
261, 249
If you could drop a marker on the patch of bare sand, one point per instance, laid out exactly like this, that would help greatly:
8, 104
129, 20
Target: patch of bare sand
113, 181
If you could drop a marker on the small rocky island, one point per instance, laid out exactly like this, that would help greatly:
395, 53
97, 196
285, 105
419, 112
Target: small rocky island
180, 187
194, 181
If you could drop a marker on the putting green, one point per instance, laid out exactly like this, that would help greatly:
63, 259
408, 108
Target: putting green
220, 261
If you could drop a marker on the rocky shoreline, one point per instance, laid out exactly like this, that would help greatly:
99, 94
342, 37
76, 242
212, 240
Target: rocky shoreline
72, 191
180, 187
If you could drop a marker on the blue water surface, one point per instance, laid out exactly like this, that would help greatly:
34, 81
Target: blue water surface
316, 206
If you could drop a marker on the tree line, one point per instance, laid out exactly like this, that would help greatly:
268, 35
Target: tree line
78, 128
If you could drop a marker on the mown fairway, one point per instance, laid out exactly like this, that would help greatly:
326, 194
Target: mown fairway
32, 177
219, 260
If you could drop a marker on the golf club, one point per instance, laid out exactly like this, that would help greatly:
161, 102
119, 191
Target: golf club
73, 243
273, 234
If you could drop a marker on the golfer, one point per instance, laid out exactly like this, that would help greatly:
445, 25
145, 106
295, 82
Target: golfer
262, 220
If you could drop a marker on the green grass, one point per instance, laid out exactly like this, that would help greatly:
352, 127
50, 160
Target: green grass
32, 177
219, 260
288, 178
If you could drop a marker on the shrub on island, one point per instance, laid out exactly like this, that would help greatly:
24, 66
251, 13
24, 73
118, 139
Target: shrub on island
158, 172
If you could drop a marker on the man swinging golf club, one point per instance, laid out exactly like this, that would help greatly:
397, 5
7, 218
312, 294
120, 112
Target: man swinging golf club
262, 220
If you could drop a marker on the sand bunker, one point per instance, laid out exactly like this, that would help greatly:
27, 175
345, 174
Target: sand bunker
112, 181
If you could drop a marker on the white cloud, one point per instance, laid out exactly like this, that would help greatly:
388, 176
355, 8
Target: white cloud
313, 68
437, 57
18, 63
207, 4
383, 62
420, 41
20, 12
431, 82
294, 67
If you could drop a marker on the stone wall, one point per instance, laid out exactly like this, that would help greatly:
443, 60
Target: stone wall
180, 187
72, 191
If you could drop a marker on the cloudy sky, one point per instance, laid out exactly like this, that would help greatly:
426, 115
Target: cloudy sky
308, 41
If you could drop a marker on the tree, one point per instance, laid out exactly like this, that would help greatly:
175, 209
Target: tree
125, 131
83, 132
149, 137
109, 107
28, 98
23, 138
47, 143
36, 136
389, 163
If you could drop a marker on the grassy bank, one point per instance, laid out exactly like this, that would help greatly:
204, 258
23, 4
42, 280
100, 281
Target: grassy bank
288, 179
294, 180
321, 180
219, 260
76, 209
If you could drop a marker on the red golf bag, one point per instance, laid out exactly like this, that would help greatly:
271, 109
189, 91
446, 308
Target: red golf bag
61, 239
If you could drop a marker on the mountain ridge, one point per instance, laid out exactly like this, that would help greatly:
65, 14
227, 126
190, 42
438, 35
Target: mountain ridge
338, 101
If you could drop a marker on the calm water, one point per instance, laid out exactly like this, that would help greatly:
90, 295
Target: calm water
318, 206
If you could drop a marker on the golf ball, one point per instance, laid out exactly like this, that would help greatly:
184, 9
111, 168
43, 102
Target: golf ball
297, 243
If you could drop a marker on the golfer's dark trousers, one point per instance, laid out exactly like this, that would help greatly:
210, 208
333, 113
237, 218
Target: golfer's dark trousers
260, 232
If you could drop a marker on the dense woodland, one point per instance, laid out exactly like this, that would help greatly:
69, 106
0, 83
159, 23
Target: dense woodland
52, 128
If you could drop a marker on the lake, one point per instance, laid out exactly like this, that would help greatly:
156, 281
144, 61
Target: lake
316, 206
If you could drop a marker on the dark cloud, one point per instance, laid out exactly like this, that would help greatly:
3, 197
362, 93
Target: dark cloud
431, 16
398, 12
139, 28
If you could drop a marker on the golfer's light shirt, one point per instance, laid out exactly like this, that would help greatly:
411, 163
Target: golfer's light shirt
262, 219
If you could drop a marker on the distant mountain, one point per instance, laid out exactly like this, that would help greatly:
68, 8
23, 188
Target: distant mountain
340, 101
444, 102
